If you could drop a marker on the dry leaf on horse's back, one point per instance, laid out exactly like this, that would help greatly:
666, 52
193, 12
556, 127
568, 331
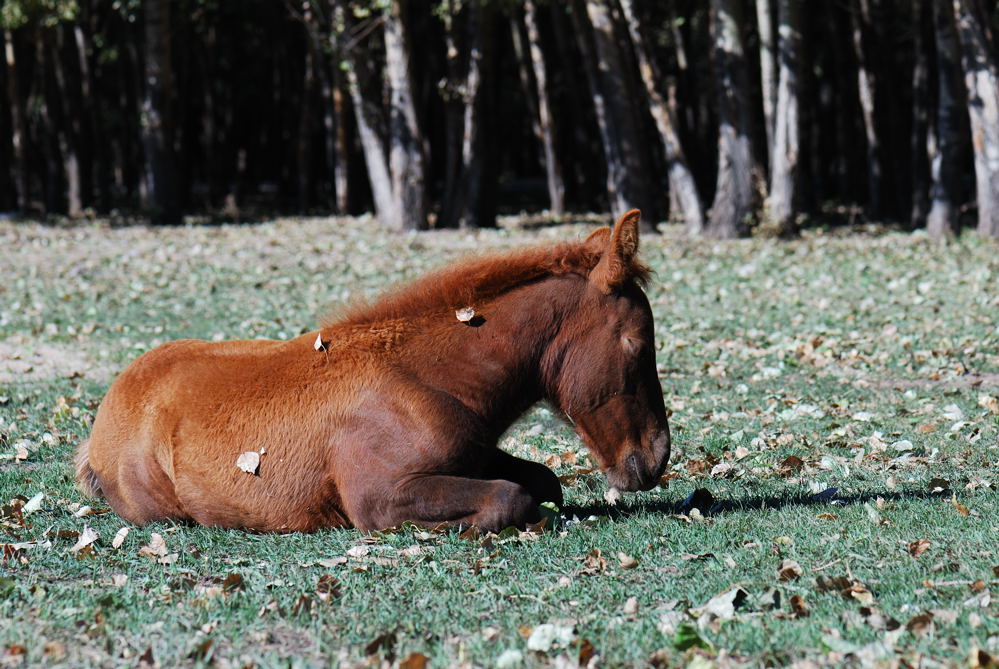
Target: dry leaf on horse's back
464, 315
87, 536
155, 548
414, 661
918, 547
249, 462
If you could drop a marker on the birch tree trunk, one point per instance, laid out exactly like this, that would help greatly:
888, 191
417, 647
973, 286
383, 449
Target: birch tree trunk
367, 114
768, 70
780, 205
405, 140
944, 141
734, 199
682, 189
981, 79
545, 130
161, 203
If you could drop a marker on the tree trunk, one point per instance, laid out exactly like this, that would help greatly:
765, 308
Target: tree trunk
945, 145
768, 74
781, 202
162, 204
303, 154
683, 195
405, 140
627, 169
921, 20
866, 86
981, 79
18, 125
735, 197
101, 186
67, 129
545, 130
368, 118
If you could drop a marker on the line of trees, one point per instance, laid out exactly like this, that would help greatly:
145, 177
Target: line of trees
731, 116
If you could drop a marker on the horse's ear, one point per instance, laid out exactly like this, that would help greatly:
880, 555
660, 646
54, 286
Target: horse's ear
615, 265
597, 240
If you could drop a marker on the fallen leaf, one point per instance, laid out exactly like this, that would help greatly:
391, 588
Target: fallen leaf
594, 563
860, 593
723, 605
626, 561
960, 508
249, 462
358, 551
790, 465
155, 548
233, 582
920, 625
789, 571
918, 547
612, 495
327, 588
546, 635
33, 504
119, 537
414, 661
799, 607
631, 606
318, 344
87, 536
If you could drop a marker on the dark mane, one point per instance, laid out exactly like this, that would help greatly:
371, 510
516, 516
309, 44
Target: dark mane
470, 281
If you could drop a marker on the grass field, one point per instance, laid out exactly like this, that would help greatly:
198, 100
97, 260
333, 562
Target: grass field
833, 499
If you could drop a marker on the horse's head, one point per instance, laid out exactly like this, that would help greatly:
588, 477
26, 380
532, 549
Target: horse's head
603, 365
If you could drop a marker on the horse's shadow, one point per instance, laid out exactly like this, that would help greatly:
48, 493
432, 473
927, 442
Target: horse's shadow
716, 507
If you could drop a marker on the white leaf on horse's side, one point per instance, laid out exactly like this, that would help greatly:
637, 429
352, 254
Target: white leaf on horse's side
249, 462
319, 343
465, 315
87, 536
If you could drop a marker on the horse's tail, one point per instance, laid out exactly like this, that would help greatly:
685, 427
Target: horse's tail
86, 478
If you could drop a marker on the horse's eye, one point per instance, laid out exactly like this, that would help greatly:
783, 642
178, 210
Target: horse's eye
632, 346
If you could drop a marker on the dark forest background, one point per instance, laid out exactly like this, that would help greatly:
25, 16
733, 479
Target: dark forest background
731, 116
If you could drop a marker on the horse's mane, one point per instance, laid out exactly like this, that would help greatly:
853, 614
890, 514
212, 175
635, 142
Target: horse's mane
471, 281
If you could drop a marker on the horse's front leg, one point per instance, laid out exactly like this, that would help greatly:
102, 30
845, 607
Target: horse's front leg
539, 480
438, 499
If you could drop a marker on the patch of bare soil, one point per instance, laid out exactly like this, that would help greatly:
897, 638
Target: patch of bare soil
23, 359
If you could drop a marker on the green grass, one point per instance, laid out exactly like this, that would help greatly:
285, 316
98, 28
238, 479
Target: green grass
874, 358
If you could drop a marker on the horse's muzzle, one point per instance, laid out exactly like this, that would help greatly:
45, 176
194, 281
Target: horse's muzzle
642, 469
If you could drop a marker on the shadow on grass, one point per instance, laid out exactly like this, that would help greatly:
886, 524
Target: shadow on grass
701, 498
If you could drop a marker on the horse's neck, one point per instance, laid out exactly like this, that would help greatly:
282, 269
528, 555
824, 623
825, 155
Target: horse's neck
492, 365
